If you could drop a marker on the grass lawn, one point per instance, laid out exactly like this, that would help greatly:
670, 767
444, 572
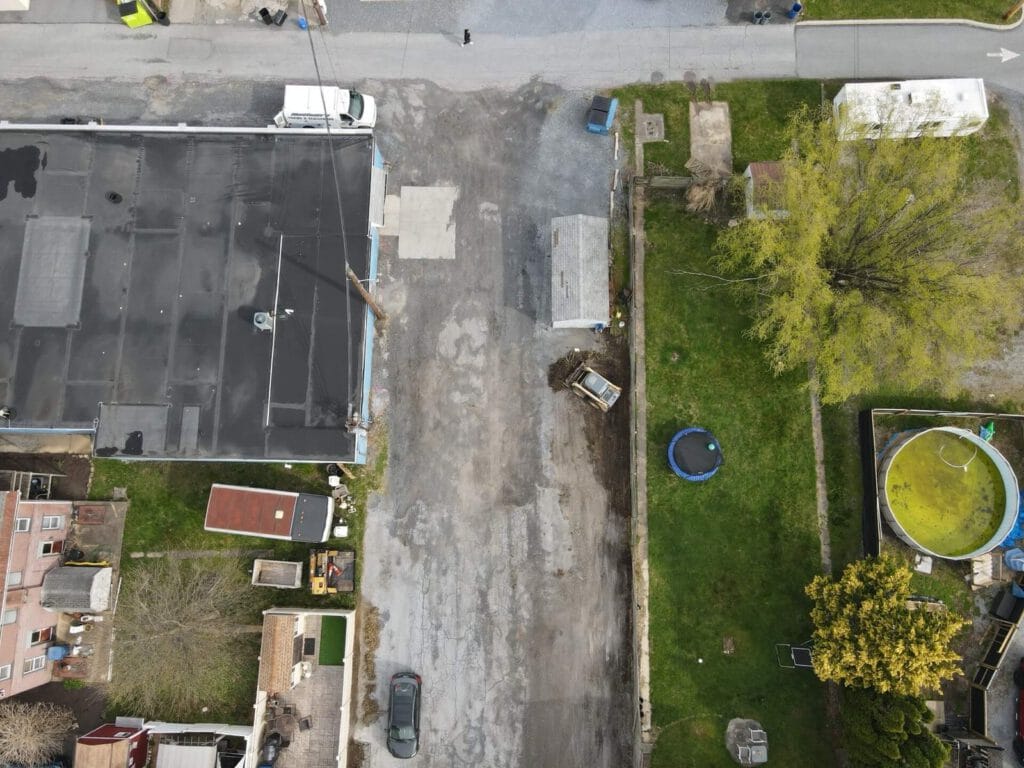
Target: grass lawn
332, 640
167, 509
758, 111
991, 155
990, 11
729, 558
168, 506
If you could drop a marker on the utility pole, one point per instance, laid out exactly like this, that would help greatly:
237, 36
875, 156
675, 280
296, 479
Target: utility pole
374, 306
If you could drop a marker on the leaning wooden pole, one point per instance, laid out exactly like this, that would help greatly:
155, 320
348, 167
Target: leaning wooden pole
1014, 9
374, 306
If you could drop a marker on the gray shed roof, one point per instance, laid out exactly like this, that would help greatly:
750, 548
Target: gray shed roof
579, 271
312, 516
76, 589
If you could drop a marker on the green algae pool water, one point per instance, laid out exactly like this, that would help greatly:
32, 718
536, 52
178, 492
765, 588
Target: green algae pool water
946, 493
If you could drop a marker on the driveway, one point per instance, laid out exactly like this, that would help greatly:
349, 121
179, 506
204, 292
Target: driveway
494, 555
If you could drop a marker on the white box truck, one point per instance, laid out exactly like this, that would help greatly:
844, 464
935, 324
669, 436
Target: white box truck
910, 108
304, 108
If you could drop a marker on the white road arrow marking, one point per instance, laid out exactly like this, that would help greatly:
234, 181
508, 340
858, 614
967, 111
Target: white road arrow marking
1003, 55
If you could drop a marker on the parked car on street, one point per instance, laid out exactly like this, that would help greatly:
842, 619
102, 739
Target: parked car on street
404, 715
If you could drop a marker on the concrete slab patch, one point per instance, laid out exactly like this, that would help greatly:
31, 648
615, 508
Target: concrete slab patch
651, 127
392, 216
427, 226
711, 136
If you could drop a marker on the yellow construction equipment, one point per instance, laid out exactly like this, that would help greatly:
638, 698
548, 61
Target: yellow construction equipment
133, 13
331, 571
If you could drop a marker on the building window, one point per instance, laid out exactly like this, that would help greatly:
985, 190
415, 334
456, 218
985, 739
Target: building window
53, 522
10, 616
5, 672
40, 636
13, 579
34, 664
22, 524
51, 547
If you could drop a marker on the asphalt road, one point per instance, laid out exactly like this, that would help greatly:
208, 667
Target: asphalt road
878, 51
249, 52
574, 59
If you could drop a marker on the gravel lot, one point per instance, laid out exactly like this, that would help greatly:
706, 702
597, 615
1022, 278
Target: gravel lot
495, 558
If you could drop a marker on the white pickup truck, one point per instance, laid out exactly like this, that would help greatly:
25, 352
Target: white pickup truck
304, 107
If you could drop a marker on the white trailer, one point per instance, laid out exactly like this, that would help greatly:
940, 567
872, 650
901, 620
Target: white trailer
304, 107
910, 108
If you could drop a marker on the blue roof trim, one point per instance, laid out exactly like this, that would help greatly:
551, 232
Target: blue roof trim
371, 320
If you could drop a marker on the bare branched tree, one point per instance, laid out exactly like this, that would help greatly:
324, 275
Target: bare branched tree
180, 632
31, 734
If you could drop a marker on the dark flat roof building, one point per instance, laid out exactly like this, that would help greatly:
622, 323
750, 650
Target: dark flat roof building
133, 262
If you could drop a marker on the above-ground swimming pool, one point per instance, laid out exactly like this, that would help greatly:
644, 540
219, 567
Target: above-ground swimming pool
948, 493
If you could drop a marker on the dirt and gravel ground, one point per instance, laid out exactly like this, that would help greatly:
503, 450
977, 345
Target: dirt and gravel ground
497, 553
1002, 379
72, 472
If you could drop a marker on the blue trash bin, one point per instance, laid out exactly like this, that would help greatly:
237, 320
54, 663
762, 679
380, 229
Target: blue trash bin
793, 12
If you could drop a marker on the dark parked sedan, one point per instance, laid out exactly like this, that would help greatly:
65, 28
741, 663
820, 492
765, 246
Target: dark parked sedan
404, 715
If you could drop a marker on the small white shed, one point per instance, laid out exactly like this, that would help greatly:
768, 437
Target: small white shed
579, 272
910, 108
762, 187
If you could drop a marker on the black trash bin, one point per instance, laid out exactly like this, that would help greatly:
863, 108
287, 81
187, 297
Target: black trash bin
265, 15
279, 17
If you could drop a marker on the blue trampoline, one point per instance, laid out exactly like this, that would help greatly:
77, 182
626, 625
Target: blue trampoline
694, 454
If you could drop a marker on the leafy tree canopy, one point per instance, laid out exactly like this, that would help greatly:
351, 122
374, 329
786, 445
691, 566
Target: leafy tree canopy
883, 730
890, 267
867, 635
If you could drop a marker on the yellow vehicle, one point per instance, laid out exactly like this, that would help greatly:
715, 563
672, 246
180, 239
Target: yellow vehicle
133, 13
331, 571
